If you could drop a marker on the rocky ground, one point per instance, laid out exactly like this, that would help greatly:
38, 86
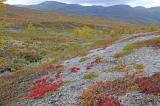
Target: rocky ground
103, 61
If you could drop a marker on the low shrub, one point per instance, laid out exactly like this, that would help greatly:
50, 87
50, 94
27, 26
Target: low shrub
84, 32
108, 101
51, 72
118, 55
31, 29
30, 55
41, 87
3, 62
83, 59
1, 42
154, 43
112, 33
100, 93
91, 75
139, 66
94, 63
120, 68
149, 85
74, 69
153, 27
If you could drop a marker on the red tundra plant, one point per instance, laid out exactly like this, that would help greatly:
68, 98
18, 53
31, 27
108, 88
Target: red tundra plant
98, 60
58, 75
74, 69
88, 67
93, 63
108, 101
149, 85
118, 56
39, 90
40, 81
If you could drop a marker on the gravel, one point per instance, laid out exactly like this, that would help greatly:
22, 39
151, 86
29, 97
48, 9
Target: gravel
69, 93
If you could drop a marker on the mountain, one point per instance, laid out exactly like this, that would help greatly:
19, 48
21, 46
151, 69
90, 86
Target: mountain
19, 17
127, 13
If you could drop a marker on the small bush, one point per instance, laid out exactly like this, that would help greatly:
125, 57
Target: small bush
84, 32
153, 27
83, 59
51, 72
1, 42
3, 24
74, 69
91, 75
139, 66
118, 55
112, 33
154, 42
31, 29
30, 56
119, 68
3, 62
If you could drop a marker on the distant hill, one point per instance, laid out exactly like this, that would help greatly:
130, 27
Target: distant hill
127, 13
20, 16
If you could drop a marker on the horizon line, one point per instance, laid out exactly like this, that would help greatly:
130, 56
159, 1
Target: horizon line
85, 5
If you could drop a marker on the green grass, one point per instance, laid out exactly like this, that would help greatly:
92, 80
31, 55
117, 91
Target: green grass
132, 47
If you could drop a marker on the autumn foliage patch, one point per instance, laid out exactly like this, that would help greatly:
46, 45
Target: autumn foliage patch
74, 69
149, 85
40, 87
100, 93
108, 101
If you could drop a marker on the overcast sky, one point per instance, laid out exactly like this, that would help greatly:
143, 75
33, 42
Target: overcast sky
146, 3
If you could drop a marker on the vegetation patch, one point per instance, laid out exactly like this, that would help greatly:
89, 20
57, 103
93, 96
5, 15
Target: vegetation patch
121, 68
149, 85
154, 43
74, 69
92, 96
91, 75
132, 47
54, 68
83, 59
41, 87
94, 63
139, 66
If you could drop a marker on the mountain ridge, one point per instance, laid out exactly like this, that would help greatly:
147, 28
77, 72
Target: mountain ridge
120, 12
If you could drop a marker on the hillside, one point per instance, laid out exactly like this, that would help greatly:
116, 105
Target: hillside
118, 12
50, 58
18, 16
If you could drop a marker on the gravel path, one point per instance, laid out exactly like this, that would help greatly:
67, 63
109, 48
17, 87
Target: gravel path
68, 94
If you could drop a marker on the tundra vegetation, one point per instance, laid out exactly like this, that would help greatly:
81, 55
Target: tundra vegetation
28, 45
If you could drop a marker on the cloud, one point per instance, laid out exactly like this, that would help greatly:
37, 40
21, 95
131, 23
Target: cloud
147, 3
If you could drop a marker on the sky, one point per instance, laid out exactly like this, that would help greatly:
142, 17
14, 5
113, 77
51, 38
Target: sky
146, 3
